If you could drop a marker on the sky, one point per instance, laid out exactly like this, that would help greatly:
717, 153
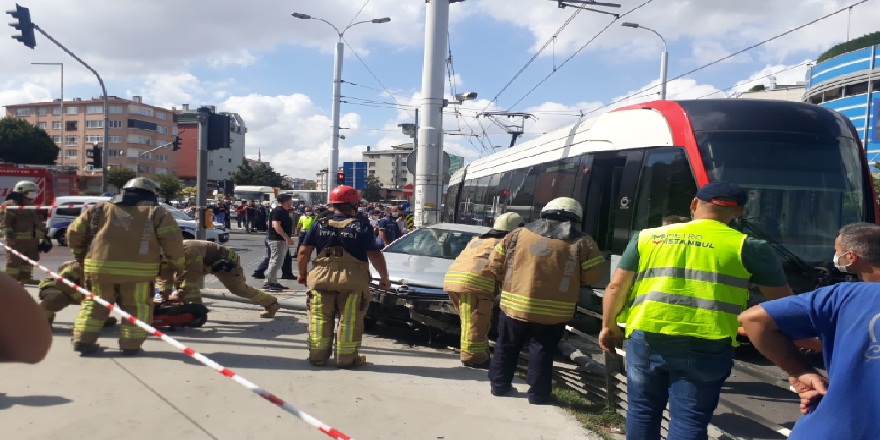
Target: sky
524, 56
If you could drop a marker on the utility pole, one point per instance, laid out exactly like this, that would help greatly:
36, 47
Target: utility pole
428, 175
202, 172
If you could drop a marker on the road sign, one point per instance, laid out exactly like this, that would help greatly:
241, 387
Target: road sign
355, 174
408, 189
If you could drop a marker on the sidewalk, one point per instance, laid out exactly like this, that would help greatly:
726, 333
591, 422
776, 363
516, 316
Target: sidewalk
404, 392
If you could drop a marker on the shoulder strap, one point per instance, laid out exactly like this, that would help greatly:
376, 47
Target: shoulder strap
514, 236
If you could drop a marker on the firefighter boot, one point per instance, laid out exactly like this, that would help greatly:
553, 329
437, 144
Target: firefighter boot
271, 309
85, 348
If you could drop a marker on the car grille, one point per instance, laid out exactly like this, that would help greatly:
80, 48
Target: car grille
412, 293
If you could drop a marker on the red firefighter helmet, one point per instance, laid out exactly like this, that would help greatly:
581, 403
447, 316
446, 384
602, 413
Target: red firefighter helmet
344, 194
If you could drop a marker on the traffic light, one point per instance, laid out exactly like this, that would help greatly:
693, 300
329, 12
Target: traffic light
175, 144
97, 156
340, 178
218, 131
24, 25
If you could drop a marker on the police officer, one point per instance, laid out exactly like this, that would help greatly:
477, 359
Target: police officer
683, 286
120, 245
473, 287
340, 279
542, 267
55, 295
24, 229
203, 258
303, 225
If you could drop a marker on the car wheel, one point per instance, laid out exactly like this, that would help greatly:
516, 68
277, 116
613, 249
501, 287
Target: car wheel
370, 323
61, 237
188, 236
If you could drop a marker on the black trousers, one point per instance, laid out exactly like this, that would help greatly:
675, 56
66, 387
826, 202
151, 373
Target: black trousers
542, 340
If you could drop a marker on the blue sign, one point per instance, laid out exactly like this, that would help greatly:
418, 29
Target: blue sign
355, 174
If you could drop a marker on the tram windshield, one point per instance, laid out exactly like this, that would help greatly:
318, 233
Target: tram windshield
802, 187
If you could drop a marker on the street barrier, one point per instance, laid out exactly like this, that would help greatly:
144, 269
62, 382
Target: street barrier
305, 417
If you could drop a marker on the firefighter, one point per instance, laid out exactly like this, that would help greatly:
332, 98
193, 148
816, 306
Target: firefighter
120, 245
542, 267
340, 279
55, 295
25, 231
203, 258
473, 287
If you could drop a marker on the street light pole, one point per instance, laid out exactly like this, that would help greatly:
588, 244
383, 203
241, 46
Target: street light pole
60, 104
663, 57
333, 166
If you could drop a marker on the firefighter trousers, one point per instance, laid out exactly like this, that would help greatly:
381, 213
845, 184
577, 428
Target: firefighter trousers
475, 312
134, 298
235, 282
53, 300
324, 307
18, 268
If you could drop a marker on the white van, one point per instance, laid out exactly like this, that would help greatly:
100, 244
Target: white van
68, 208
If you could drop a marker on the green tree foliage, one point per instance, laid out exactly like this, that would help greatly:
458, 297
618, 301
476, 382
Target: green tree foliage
261, 174
169, 187
117, 176
851, 45
22, 142
372, 192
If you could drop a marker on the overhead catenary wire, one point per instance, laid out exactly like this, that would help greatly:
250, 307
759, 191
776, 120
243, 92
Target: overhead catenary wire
359, 12
756, 79
390, 94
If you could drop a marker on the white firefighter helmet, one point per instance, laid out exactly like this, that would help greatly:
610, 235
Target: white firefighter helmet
143, 184
563, 205
25, 186
507, 221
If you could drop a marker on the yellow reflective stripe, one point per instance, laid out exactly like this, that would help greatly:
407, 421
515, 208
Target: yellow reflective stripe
527, 304
316, 325
470, 279
167, 229
592, 262
346, 344
464, 314
121, 267
500, 249
143, 311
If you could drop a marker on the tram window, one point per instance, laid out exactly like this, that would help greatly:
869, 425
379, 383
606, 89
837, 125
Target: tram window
522, 187
580, 180
666, 187
466, 202
451, 194
479, 216
491, 200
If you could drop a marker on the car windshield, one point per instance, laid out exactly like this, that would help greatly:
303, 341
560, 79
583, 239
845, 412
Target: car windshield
178, 214
432, 242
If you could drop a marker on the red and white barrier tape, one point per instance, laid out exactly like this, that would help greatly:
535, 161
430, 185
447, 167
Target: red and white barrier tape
80, 205
321, 426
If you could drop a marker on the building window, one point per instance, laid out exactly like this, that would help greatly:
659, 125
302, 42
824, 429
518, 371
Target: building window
56, 139
115, 139
371, 164
138, 139
56, 125
56, 110
141, 125
70, 153
115, 109
71, 141
141, 168
94, 109
41, 125
160, 115
115, 153
403, 180
22, 112
114, 124
146, 111
92, 138
72, 110
95, 124
70, 125
161, 130
161, 170
372, 172
162, 157
43, 112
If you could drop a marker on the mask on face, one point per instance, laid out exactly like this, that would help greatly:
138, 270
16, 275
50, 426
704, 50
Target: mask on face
394, 214
836, 262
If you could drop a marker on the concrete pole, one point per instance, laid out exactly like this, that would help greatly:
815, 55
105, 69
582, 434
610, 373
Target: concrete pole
663, 59
427, 202
202, 173
333, 166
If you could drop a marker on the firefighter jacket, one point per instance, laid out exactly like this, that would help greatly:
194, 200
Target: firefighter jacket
335, 269
691, 281
71, 270
541, 274
470, 272
22, 224
125, 244
206, 257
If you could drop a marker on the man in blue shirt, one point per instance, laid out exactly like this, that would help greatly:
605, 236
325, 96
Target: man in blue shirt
846, 318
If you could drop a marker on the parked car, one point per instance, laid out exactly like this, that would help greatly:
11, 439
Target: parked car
68, 208
417, 264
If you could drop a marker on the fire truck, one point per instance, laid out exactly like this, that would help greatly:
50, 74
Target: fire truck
53, 182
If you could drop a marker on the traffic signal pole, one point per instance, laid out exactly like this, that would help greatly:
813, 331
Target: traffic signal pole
202, 172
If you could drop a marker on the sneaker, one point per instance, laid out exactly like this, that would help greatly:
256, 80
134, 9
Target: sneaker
271, 309
359, 360
258, 275
503, 391
271, 288
85, 348
288, 277
130, 351
279, 286
542, 400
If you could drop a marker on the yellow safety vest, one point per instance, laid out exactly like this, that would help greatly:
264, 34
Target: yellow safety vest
306, 222
690, 282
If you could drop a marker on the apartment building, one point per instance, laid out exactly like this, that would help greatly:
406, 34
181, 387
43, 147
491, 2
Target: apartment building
389, 166
221, 163
139, 134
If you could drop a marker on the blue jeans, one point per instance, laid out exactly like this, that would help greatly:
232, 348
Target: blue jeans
685, 371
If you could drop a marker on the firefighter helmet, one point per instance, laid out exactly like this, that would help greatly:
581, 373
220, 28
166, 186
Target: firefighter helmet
143, 184
508, 221
564, 206
25, 186
344, 194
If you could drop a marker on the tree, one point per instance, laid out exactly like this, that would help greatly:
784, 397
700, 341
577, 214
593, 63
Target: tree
169, 187
261, 174
22, 142
117, 176
372, 192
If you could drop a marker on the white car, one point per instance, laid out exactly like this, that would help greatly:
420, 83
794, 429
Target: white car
70, 207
